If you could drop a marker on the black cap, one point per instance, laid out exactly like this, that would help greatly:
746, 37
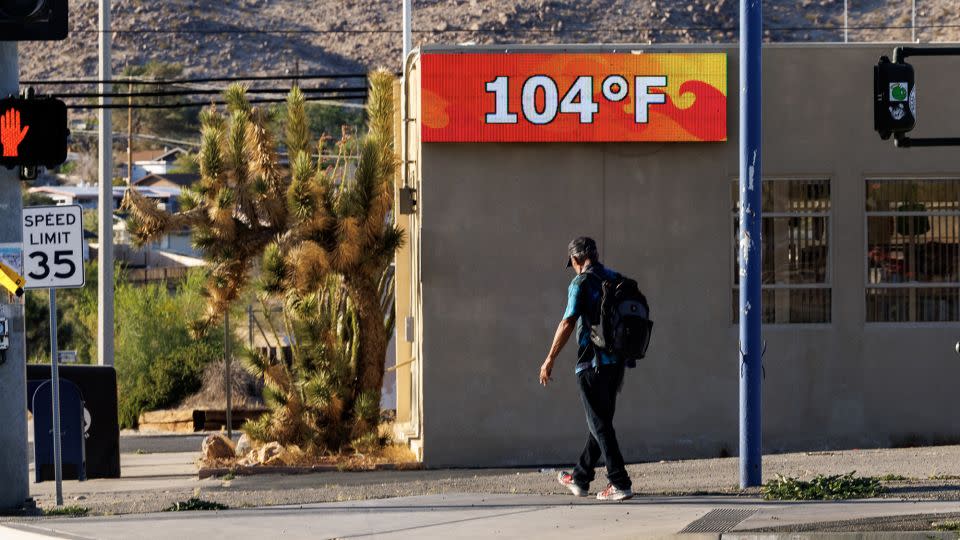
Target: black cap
581, 247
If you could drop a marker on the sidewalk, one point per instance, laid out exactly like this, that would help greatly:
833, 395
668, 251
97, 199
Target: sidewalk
483, 516
672, 495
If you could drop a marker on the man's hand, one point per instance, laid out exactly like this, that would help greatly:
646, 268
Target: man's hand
545, 371
564, 329
10, 134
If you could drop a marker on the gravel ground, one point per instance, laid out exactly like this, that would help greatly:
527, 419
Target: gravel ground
930, 473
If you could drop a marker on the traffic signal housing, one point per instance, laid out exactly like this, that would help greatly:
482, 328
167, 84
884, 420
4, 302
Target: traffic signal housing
33, 132
33, 20
894, 98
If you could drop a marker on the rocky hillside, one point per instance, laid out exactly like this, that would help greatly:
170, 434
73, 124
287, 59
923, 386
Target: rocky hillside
233, 37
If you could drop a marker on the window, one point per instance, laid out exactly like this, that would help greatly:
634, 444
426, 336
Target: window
913, 236
796, 251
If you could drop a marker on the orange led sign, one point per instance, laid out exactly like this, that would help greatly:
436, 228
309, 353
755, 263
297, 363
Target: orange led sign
11, 135
574, 97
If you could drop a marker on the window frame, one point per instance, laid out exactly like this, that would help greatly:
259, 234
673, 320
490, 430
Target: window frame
865, 254
828, 276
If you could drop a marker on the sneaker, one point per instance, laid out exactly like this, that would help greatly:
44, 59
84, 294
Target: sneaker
566, 480
613, 493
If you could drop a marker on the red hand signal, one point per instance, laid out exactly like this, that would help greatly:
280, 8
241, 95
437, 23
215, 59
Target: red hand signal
10, 134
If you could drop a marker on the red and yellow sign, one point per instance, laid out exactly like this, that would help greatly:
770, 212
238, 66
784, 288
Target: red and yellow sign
560, 97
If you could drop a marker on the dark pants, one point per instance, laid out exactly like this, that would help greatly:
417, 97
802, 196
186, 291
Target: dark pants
598, 391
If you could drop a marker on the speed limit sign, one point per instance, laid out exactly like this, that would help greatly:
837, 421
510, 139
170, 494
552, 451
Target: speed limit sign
53, 247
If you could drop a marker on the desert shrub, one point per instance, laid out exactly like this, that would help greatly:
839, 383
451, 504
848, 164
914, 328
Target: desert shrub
171, 377
159, 361
823, 488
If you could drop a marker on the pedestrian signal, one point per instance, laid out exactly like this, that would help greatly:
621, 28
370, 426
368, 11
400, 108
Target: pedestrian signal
33, 132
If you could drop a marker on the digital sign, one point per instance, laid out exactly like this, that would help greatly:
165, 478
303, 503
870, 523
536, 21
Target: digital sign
573, 97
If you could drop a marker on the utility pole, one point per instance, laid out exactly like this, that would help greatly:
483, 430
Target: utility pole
913, 21
407, 39
105, 227
14, 483
846, 27
130, 135
750, 243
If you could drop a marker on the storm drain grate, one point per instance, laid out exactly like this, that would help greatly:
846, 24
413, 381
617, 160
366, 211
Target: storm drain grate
719, 520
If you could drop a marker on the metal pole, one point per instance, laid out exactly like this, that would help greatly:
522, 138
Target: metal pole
14, 482
105, 227
913, 22
227, 379
846, 26
130, 135
55, 392
250, 326
407, 38
751, 187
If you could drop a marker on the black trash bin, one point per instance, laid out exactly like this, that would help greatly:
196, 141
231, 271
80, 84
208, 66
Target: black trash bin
98, 386
72, 447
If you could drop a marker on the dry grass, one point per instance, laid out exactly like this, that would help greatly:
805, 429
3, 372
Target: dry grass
395, 454
391, 453
246, 390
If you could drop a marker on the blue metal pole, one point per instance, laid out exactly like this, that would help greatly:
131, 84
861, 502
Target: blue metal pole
751, 187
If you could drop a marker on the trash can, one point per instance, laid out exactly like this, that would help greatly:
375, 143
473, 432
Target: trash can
98, 386
73, 448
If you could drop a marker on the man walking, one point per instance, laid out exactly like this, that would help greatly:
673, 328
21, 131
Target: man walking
599, 375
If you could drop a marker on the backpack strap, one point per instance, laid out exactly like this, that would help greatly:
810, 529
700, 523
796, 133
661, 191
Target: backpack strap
592, 272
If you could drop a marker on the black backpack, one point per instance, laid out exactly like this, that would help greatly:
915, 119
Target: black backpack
623, 326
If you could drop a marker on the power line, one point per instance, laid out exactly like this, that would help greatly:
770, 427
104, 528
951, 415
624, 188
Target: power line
165, 82
121, 136
94, 106
461, 30
117, 135
198, 92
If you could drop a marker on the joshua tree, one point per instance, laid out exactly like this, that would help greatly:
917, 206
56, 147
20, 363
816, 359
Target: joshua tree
324, 240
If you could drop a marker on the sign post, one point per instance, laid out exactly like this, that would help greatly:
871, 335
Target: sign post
55, 383
52, 259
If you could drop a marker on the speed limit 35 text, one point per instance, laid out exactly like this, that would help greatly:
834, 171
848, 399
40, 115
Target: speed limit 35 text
48, 220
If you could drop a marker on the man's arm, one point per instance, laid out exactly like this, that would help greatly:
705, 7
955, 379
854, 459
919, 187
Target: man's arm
564, 330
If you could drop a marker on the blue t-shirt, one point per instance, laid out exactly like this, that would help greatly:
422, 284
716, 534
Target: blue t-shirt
583, 302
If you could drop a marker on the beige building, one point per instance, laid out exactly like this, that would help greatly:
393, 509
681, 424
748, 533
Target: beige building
861, 281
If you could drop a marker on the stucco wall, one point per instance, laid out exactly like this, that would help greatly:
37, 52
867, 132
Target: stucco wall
496, 219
